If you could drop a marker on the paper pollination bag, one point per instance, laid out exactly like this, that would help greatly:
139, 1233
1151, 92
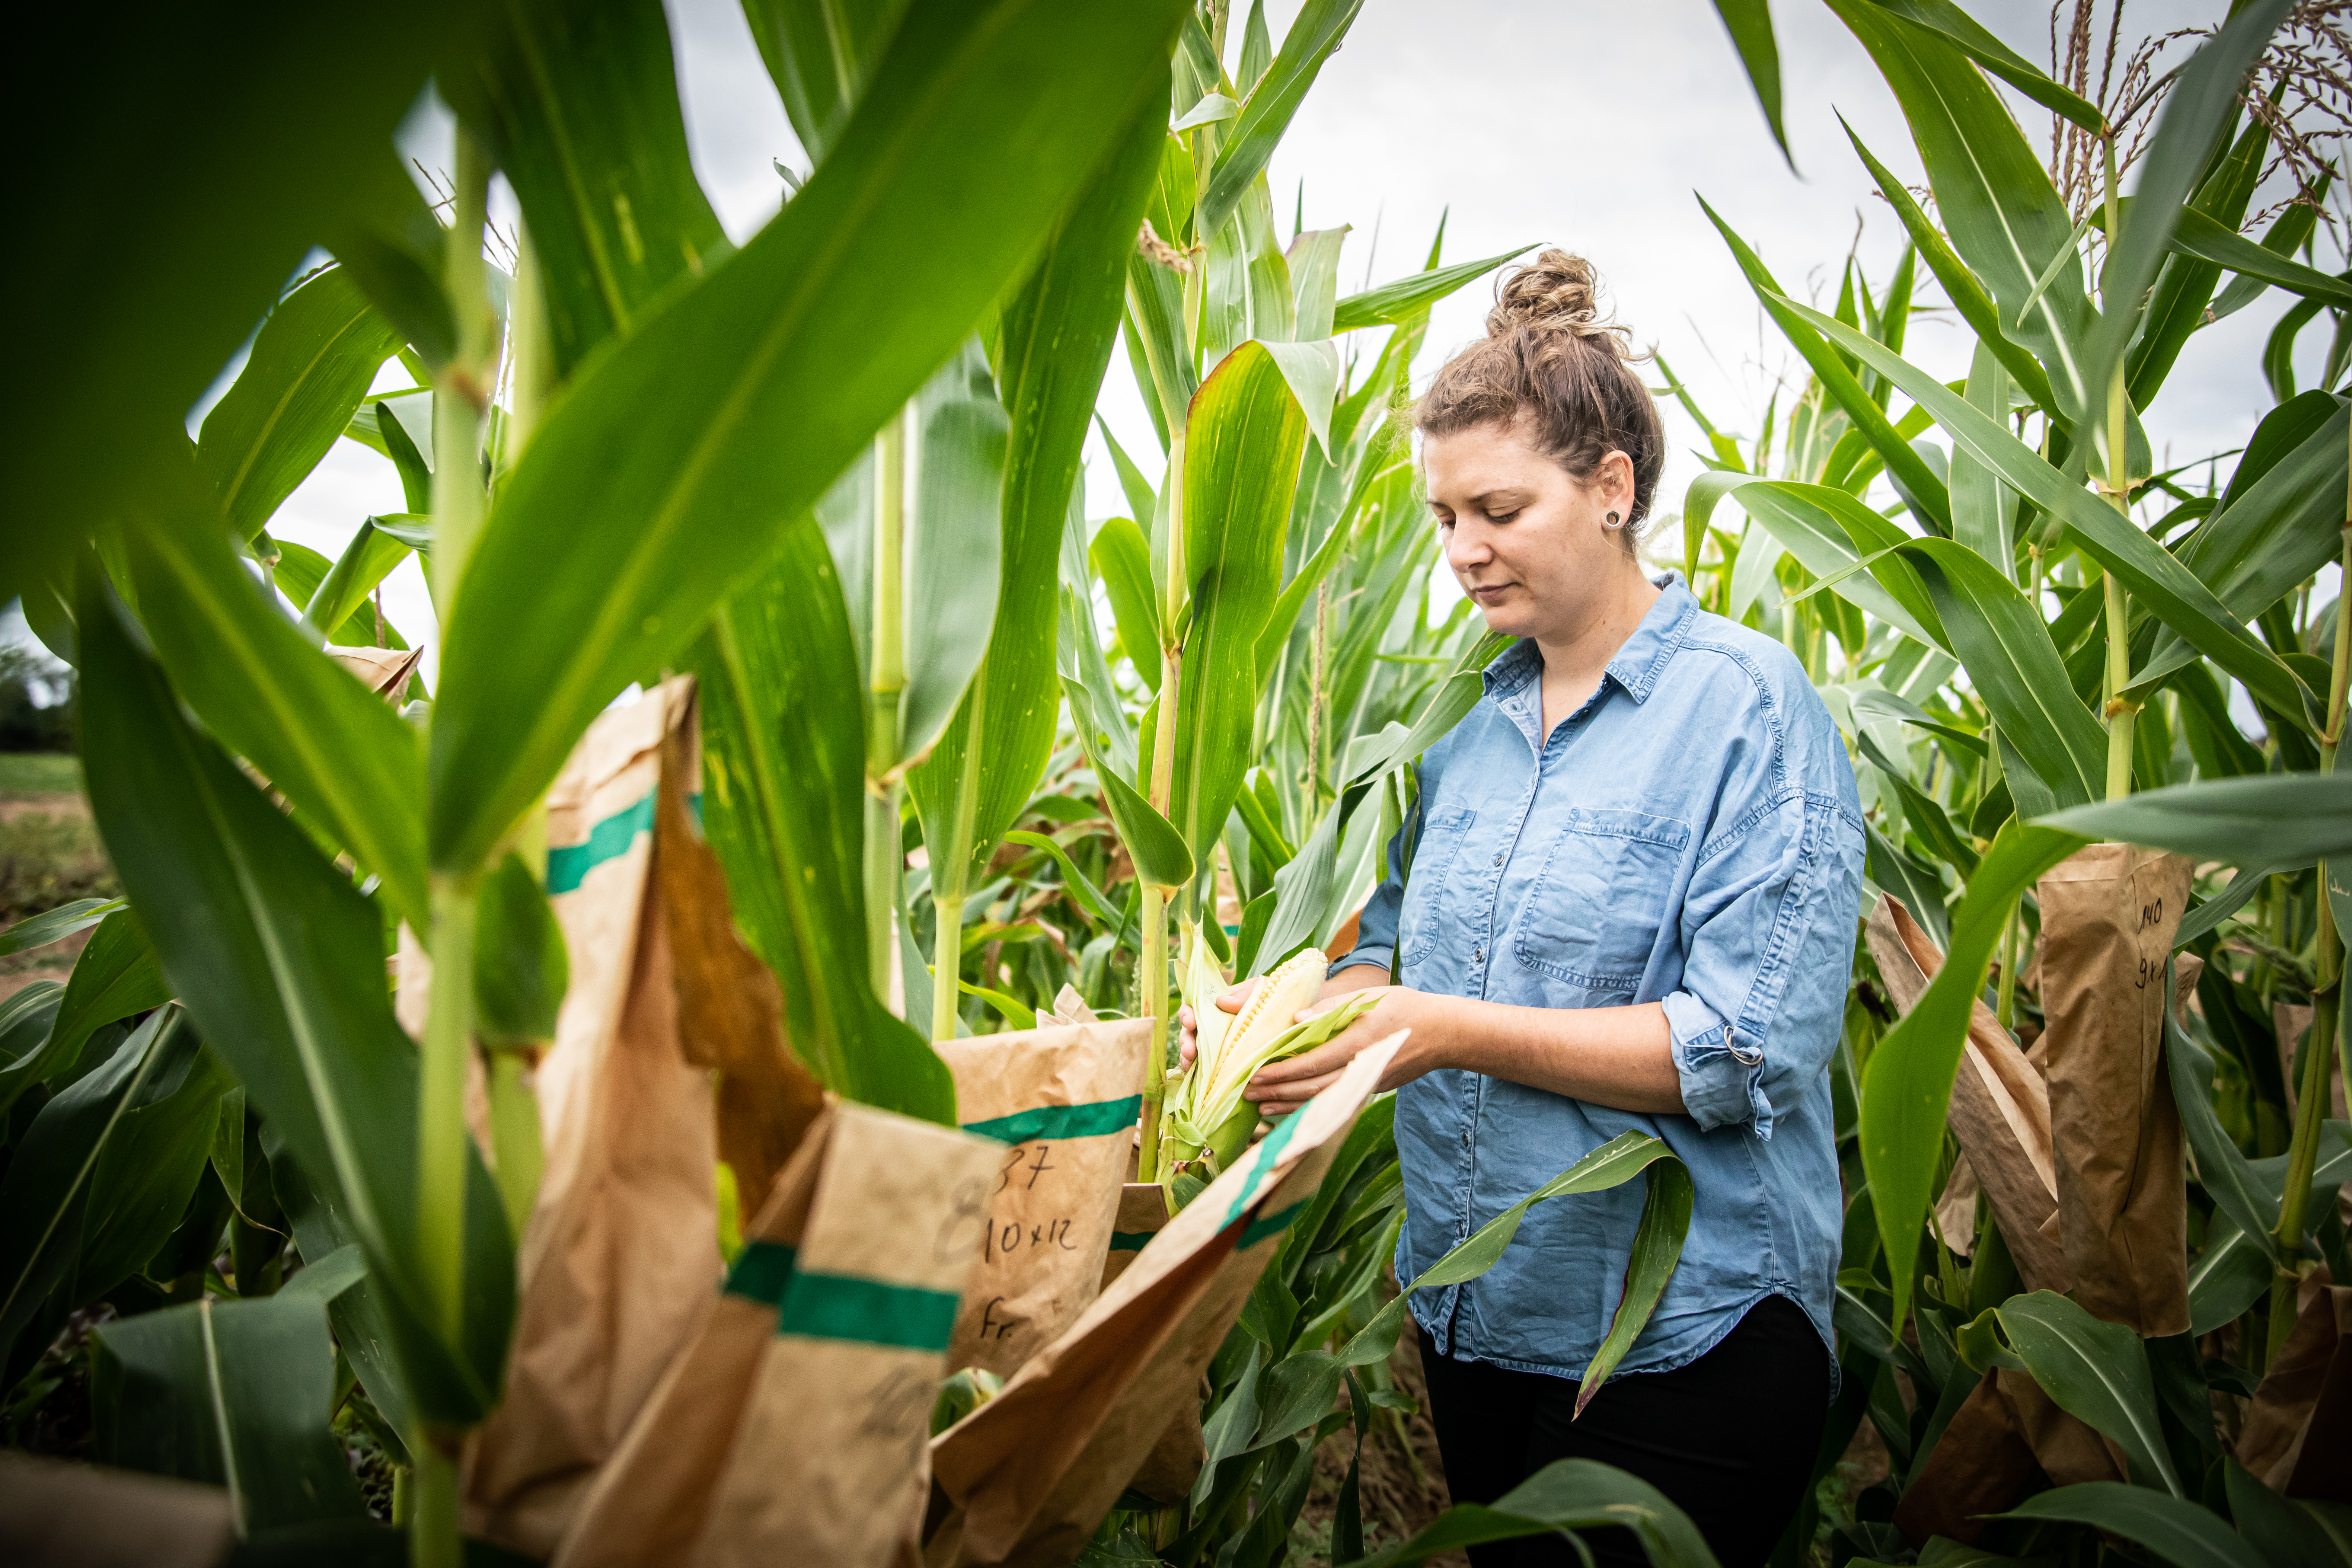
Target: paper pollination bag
791, 1429
2108, 916
1142, 1214
1064, 1100
620, 1250
1029, 1474
1999, 1109
623, 1239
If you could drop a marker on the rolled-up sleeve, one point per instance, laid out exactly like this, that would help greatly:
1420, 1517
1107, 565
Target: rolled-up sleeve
1768, 930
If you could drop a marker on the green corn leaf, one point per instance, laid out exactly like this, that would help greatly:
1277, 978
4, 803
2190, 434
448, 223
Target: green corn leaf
2096, 1371
783, 782
281, 107
521, 967
55, 925
1995, 200
1244, 150
46, 1189
1053, 346
1303, 1385
229, 1394
280, 959
1082, 889
2282, 1529
2202, 102
1246, 436
1156, 333
974, 124
2154, 577
371, 554
392, 247
147, 1169
1917, 482
2177, 1532
1015, 1012
1657, 1249
114, 977
1829, 531
1983, 507
311, 363
580, 109
337, 752
2185, 286
1908, 1081
1160, 855
2289, 819
953, 549
1122, 558
1141, 498
2290, 233
2222, 1170
1565, 1495
1749, 23
1963, 30
822, 55
301, 570
1410, 297
1961, 286
2001, 640
2277, 525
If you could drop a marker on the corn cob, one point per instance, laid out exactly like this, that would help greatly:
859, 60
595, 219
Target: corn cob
1207, 1114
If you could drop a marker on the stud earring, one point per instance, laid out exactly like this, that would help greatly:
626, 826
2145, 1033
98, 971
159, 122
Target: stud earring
1611, 521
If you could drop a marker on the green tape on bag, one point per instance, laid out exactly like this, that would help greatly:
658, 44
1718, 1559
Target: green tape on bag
869, 1312
567, 865
1092, 1120
762, 1271
1258, 1229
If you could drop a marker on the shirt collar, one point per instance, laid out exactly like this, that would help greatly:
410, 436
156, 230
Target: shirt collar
1639, 662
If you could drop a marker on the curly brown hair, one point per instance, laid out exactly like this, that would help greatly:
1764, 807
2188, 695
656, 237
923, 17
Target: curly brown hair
1551, 359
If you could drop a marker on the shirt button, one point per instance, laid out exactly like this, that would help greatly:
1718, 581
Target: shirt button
1477, 955
1499, 859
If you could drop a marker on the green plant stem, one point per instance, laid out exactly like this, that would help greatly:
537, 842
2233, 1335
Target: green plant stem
2121, 710
2320, 1051
441, 1108
1151, 971
460, 398
951, 866
434, 1540
1152, 976
885, 686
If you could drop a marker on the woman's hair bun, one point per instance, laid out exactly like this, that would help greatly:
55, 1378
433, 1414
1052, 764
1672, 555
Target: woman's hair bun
1556, 292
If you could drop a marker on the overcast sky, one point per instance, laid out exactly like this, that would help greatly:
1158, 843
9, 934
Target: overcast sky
1582, 124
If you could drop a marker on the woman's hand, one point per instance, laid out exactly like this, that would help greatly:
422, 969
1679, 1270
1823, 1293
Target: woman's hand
1280, 1088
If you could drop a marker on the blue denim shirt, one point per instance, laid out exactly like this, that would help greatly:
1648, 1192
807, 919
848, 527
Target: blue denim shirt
1691, 836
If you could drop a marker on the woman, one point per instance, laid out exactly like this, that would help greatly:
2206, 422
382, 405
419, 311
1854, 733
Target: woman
1635, 870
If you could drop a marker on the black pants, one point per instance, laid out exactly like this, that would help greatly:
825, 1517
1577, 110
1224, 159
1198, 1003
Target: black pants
1730, 1438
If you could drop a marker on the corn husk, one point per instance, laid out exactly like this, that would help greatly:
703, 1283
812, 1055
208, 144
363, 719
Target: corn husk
1208, 1114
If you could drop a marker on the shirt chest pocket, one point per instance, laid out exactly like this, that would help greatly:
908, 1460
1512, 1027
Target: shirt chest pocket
1592, 915
1418, 921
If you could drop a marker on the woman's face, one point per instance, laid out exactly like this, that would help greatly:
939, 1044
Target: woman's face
1526, 538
